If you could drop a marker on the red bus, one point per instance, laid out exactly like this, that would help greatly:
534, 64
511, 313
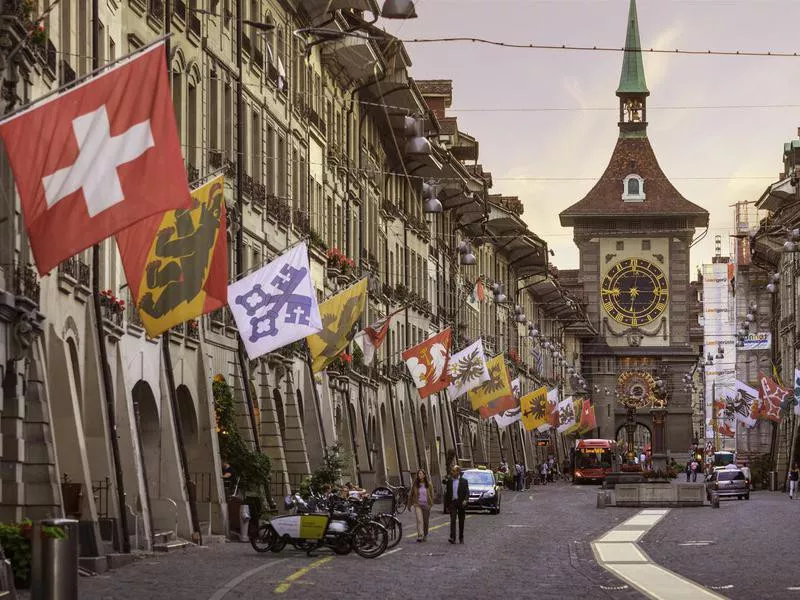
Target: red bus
594, 459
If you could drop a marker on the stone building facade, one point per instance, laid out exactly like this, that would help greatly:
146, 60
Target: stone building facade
315, 150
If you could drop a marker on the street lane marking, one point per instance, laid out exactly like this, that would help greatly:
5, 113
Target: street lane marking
390, 552
618, 553
223, 591
721, 587
287, 583
696, 544
446, 524
794, 589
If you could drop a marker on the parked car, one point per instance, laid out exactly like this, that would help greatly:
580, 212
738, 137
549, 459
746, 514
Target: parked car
728, 482
484, 490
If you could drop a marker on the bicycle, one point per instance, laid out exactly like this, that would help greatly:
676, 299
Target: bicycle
400, 497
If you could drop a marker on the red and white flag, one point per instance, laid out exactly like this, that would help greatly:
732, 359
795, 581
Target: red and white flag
427, 363
97, 158
371, 337
772, 395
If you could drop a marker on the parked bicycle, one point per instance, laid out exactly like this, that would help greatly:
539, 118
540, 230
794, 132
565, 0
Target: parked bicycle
322, 522
399, 493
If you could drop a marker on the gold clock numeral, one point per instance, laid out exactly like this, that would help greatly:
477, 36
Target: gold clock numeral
608, 306
661, 306
634, 321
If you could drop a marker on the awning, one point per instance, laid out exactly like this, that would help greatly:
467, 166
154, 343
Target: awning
777, 194
352, 55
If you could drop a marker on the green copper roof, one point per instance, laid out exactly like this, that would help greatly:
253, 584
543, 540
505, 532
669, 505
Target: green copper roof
632, 79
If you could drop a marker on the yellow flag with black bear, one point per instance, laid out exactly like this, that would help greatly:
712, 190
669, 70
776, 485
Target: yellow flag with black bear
176, 263
340, 316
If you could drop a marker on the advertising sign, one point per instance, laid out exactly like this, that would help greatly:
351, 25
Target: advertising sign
757, 341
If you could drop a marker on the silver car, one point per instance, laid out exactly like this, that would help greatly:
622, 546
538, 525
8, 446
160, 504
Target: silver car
728, 482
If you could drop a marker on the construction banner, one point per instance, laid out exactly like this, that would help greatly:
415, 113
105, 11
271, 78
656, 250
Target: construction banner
176, 263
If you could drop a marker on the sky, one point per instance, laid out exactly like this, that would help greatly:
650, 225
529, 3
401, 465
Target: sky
714, 156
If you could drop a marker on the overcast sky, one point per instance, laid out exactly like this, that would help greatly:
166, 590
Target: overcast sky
741, 147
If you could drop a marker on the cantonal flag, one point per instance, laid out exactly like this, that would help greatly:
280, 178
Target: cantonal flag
371, 337
535, 409
176, 263
552, 400
588, 417
427, 363
494, 392
772, 396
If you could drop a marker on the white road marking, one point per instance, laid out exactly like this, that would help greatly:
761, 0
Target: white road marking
794, 589
721, 587
223, 591
696, 544
618, 553
390, 552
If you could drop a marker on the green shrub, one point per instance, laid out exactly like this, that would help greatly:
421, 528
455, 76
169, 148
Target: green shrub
251, 467
329, 473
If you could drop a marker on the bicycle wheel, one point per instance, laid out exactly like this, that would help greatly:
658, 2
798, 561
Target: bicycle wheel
401, 500
394, 528
370, 539
265, 539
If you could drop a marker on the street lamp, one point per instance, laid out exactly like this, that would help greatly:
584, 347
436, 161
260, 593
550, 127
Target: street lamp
398, 9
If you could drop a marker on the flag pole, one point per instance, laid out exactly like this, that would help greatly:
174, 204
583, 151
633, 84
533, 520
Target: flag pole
317, 400
108, 385
96, 70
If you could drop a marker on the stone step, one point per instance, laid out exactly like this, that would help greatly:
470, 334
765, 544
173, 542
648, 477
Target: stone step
163, 536
169, 546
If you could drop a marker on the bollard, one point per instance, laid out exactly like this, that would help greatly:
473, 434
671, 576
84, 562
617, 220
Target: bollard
601, 499
714, 500
54, 573
608, 499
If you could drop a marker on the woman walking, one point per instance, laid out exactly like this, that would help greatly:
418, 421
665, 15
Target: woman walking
421, 498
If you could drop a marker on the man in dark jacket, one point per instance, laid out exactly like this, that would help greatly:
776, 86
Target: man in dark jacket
456, 494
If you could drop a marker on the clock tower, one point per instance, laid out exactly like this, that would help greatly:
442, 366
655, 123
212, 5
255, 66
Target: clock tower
634, 231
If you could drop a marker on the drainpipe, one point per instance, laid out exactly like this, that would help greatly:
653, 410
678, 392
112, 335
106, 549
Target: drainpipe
108, 385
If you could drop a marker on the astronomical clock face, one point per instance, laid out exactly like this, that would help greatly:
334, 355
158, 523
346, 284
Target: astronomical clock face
634, 292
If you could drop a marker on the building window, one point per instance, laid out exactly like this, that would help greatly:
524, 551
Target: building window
620, 245
645, 244
633, 189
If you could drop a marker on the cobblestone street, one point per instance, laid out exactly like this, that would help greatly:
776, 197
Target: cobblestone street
540, 541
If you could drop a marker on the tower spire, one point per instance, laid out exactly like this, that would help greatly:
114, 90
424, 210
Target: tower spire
632, 90
632, 80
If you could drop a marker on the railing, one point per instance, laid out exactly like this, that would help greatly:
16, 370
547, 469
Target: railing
259, 195
193, 329
179, 328
301, 222
69, 267
101, 490
215, 159
192, 173
26, 282
111, 313
84, 274
316, 120
279, 208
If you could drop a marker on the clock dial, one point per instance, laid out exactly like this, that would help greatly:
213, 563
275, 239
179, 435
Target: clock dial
635, 292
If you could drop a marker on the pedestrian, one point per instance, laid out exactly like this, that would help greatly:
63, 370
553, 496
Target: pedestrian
694, 466
421, 499
688, 469
545, 472
456, 494
747, 475
794, 476
520, 473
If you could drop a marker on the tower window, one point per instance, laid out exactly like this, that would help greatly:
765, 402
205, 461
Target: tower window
633, 189
645, 244
620, 245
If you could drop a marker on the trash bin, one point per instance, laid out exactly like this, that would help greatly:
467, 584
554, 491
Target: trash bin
601, 499
773, 481
55, 561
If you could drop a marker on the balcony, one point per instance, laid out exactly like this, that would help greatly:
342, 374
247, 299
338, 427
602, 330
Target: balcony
26, 283
193, 329
279, 209
47, 55
316, 120
192, 173
259, 195
84, 274
301, 222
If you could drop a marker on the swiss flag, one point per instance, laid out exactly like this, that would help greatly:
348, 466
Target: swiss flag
98, 158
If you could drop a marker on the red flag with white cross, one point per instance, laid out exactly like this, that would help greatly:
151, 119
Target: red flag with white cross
97, 158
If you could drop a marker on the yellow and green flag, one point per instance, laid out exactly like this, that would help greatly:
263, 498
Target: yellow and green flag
340, 316
535, 409
176, 262
577, 404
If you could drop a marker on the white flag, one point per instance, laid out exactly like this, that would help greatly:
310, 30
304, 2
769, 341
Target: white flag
467, 369
508, 417
797, 392
566, 414
276, 305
